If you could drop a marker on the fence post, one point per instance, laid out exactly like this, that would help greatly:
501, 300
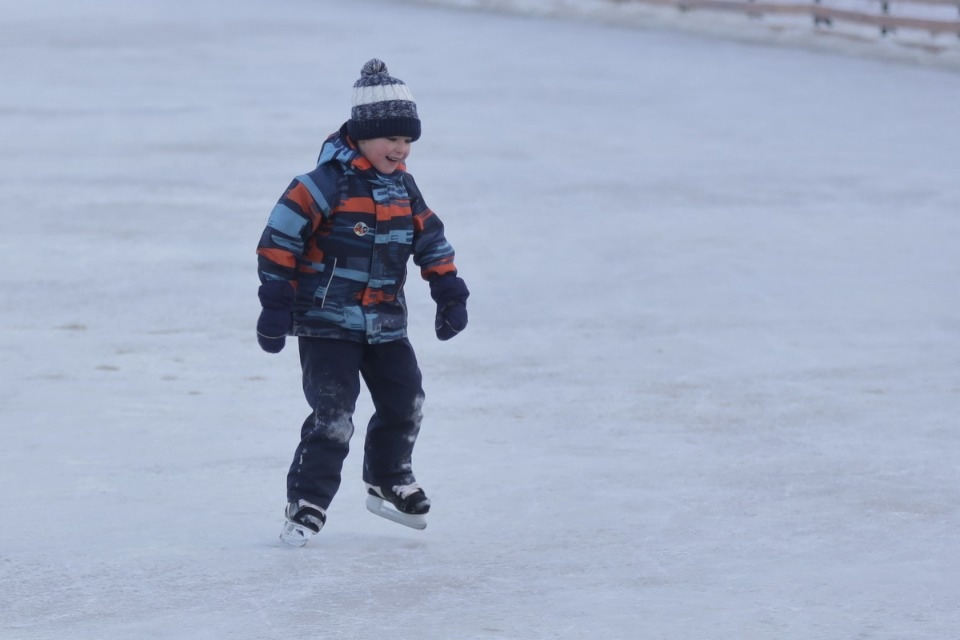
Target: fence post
823, 20
885, 8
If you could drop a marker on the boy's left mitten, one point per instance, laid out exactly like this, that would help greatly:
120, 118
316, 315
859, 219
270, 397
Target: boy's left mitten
450, 293
276, 319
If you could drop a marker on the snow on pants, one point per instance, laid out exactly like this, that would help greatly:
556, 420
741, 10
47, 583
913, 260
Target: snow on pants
331, 384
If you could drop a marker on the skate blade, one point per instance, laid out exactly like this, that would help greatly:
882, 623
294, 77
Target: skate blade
295, 535
382, 508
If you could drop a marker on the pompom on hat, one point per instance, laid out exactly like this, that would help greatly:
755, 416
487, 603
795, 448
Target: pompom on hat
382, 106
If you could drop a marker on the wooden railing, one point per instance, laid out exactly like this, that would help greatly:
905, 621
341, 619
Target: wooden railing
824, 15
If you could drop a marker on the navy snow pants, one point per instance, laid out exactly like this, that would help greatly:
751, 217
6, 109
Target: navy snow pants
331, 384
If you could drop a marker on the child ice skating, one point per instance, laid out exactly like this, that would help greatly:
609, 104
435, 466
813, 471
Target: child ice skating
332, 265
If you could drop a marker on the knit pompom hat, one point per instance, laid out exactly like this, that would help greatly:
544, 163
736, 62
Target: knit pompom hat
382, 105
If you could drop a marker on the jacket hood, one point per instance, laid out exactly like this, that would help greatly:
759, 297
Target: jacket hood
340, 147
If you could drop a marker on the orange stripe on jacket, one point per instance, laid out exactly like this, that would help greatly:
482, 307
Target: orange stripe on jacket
438, 270
390, 211
357, 205
301, 196
278, 256
420, 220
375, 296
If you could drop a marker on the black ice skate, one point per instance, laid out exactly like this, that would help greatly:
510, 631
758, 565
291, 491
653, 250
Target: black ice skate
404, 504
303, 521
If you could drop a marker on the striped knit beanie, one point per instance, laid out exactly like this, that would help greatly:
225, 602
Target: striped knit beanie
382, 106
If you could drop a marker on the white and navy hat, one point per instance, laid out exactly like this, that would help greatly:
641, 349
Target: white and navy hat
382, 105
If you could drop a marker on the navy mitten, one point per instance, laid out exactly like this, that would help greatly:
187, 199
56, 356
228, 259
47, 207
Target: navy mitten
450, 293
276, 319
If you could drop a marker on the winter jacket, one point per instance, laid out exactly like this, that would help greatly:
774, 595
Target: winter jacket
342, 235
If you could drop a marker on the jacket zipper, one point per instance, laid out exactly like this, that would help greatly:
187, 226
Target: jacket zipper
326, 290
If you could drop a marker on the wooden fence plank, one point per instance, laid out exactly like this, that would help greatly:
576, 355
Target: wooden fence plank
821, 13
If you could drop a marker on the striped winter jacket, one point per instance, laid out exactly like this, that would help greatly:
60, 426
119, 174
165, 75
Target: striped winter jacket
342, 235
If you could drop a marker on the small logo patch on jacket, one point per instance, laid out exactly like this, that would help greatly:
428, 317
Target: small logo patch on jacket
361, 229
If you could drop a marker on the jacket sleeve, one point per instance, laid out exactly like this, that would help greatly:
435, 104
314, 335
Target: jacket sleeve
295, 217
431, 251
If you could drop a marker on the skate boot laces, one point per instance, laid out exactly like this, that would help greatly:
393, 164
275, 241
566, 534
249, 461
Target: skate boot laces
307, 514
406, 490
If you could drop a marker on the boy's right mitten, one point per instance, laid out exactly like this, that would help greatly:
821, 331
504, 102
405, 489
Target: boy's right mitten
276, 319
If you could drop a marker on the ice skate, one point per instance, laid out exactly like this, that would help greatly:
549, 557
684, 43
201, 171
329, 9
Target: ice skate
404, 504
304, 520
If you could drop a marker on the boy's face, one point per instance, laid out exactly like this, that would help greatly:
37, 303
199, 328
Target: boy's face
385, 154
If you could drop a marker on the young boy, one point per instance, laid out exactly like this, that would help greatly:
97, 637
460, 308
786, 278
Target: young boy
332, 265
